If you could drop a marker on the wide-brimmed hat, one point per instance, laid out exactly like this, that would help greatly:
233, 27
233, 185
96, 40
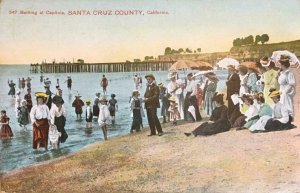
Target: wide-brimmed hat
172, 98
103, 99
189, 74
57, 100
284, 58
135, 92
150, 75
209, 74
275, 93
41, 95
218, 98
264, 61
247, 97
18, 92
88, 101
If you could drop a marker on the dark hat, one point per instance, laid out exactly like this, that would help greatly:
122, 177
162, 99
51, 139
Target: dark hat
113, 95
57, 100
209, 74
284, 58
247, 97
231, 66
150, 75
189, 74
218, 98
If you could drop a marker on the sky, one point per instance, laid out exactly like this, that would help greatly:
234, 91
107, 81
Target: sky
211, 25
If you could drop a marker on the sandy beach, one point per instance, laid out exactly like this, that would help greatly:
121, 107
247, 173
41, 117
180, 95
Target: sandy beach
234, 161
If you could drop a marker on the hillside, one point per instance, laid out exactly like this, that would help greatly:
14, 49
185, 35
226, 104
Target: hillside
258, 51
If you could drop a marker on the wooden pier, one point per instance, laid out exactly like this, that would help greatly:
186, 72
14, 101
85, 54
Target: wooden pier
101, 67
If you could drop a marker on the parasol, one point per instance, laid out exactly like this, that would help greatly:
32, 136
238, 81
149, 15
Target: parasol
294, 61
224, 63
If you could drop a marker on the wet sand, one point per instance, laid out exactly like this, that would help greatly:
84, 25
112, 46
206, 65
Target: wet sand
234, 161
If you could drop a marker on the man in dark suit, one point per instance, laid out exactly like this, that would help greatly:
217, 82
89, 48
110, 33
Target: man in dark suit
233, 86
151, 98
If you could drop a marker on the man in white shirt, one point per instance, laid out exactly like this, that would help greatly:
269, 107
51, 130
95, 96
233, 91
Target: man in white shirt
190, 98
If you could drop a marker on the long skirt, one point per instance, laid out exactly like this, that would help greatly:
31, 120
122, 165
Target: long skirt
212, 128
6, 132
275, 125
137, 120
60, 124
40, 133
260, 124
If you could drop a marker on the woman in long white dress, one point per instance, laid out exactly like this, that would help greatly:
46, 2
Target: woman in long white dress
287, 83
243, 74
179, 98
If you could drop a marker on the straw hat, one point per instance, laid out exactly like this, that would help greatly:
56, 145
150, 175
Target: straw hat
103, 99
172, 99
275, 93
88, 101
135, 93
41, 95
264, 61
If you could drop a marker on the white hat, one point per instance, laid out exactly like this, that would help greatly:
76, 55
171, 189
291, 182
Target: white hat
265, 63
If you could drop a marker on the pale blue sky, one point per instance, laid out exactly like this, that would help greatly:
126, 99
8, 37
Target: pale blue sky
210, 25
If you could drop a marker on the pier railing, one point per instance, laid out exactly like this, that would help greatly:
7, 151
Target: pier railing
101, 67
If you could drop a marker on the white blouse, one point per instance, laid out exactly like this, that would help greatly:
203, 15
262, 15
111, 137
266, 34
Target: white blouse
280, 113
192, 87
39, 112
285, 80
54, 112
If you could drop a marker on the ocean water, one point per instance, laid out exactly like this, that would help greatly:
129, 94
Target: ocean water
18, 152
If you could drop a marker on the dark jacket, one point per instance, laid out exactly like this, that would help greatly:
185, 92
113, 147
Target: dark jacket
152, 93
233, 85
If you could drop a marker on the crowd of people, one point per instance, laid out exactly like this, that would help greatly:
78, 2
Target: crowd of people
258, 98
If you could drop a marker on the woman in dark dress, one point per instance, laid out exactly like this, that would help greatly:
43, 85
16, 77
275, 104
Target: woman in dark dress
218, 121
12, 89
113, 107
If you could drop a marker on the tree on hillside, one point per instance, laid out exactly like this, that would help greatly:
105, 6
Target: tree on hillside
237, 42
264, 38
173, 51
187, 50
136, 60
180, 50
168, 50
198, 49
257, 39
248, 40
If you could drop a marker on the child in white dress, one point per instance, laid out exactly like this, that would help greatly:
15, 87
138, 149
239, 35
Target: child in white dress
104, 116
